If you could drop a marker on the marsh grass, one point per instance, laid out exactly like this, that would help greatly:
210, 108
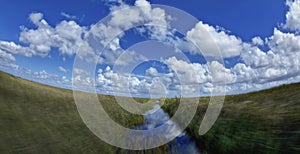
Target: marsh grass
266, 121
36, 118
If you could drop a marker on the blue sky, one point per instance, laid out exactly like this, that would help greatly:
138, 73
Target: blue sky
244, 18
258, 41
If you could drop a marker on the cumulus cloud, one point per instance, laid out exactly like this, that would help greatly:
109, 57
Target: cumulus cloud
293, 15
186, 72
48, 78
13, 48
154, 83
124, 18
8, 67
279, 64
121, 83
256, 69
108, 33
36, 18
115, 5
66, 36
257, 41
152, 71
194, 73
207, 38
4, 56
284, 43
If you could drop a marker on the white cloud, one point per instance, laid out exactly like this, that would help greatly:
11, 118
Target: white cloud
128, 58
7, 66
278, 65
254, 57
70, 38
273, 73
40, 39
11, 47
208, 37
123, 18
38, 76
194, 73
284, 43
115, 5
63, 69
137, 85
66, 36
152, 71
220, 75
111, 53
126, 17
244, 73
78, 71
36, 17
6, 62
258, 69
186, 72
257, 41
293, 15
68, 16
120, 83
4, 56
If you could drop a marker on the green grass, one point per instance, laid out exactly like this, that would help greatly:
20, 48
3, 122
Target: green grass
267, 121
36, 118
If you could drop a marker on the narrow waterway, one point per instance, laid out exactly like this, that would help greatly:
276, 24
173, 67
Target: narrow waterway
182, 144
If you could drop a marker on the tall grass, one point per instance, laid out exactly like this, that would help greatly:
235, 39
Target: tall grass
267, 121
36, 118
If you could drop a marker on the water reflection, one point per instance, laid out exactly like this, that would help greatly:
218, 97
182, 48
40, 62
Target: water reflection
181, 144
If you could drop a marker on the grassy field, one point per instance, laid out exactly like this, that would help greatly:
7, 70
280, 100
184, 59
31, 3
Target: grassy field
36, 118
267, 121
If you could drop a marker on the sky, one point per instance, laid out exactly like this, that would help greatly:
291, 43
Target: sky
155, 48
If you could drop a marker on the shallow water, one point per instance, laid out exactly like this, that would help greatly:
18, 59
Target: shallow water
183, 143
